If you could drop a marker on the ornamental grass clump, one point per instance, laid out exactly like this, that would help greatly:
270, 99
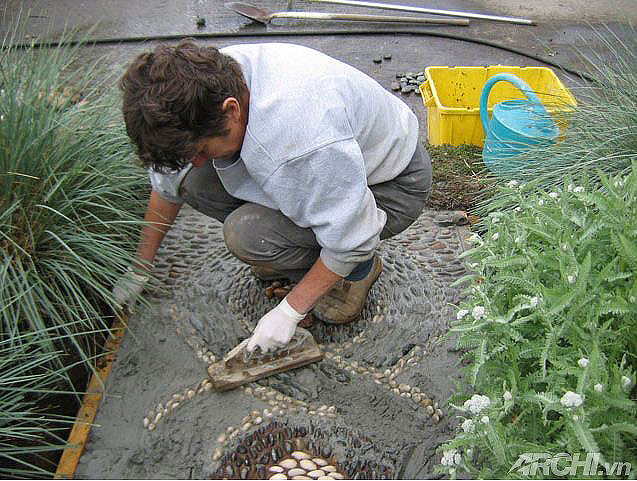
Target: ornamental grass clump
549, 329
70, 204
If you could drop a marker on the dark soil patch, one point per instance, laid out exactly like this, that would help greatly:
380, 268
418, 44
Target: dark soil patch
459, 177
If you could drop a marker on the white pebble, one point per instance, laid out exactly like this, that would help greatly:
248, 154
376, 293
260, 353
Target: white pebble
216, 455
258, 420
276, 469
317, 473
329, 469
307, 464
146, 422
151, 426
325, 477
288, 463
320, 462
190, 393
157, 418
301, 477
336, 475
221, 438
278, 476
296, 472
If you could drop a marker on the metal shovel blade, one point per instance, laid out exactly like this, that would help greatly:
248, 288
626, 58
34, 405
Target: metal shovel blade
262, 16
249, 11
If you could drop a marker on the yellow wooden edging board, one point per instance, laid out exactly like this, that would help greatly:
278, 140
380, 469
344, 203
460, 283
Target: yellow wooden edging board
90, 404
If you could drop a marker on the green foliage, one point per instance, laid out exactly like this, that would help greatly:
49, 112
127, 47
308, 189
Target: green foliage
553, 311
70, 209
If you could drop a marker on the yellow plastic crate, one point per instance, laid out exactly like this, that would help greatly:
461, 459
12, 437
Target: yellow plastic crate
452, 98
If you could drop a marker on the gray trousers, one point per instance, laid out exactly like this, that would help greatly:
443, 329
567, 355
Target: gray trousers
264, 237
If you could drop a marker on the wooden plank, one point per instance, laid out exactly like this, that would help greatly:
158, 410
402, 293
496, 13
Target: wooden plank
224, 378
90, 404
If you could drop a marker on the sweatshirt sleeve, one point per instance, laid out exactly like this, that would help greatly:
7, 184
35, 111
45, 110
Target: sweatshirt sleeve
326, 190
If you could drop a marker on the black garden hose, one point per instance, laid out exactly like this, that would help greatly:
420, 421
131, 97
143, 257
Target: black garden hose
299, 33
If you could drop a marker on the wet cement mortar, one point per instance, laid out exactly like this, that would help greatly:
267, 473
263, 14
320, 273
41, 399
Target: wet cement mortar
374, 407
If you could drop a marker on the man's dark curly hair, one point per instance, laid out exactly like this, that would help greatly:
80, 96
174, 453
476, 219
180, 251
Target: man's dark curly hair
173, 97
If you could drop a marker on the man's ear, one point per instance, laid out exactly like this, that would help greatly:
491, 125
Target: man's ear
232, 108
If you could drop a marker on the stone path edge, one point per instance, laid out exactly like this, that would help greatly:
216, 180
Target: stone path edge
91, 401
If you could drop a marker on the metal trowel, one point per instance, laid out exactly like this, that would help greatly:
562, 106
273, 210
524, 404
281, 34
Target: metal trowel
263, 16
240, 366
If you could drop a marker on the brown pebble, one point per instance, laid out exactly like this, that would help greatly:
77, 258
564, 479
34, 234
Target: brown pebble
438, 245
280, 292
269, 292
307, 321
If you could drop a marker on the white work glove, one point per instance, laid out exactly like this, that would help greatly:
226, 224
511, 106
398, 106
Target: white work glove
128, 288
276, 328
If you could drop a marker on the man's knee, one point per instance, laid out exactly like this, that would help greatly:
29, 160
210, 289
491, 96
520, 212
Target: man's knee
243, 232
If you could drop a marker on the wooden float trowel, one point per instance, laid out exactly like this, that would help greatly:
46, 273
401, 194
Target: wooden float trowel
240, 366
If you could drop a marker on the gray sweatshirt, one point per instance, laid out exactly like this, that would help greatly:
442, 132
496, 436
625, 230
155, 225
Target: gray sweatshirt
319, 132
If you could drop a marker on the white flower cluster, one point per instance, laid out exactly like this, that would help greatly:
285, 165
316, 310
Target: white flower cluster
507, 396
450, 458
626, 382
495, 236
474, 239
554, 195
535, 301
477, 403
583, 362
468, 426
578, 189
599, 387
462, 313
571, 279
478, 312
571, 399
512, 183
485, 419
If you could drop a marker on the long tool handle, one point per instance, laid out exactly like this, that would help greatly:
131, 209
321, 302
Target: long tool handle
451, 13
368, 18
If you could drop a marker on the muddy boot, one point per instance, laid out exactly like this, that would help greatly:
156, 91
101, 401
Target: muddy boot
345, 301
